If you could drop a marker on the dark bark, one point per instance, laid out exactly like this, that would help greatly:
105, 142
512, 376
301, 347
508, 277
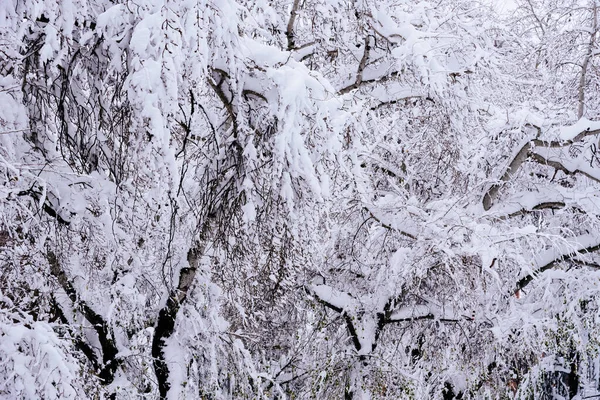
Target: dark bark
526, 280
165, 325
110, 359
162, 331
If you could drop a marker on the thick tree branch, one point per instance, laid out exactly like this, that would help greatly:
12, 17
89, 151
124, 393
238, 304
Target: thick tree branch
349, 319
549, 264
361, 67
110, 358
586, 62
80, 344
528, 151
492, 193
289, 33
48, 208
167, 316
561, 167
542, 205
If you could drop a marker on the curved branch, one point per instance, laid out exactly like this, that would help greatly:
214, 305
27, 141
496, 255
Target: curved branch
528, 150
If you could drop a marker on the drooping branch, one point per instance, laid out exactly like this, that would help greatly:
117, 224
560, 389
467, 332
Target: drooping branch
110, 359
227, 103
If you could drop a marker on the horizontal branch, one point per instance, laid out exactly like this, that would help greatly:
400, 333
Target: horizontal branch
423, 312
356, 85
389, 227
560, 165
541, 205
398, 100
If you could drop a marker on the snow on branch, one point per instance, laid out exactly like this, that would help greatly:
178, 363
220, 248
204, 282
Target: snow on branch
110, 358
549, 153
569, 250
421, 312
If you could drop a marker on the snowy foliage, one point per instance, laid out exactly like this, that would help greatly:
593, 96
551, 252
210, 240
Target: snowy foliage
286, 199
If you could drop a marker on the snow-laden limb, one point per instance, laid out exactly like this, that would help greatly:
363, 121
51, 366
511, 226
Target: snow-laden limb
109, 351
429, 311
547, 152
558, 160
579, 130
517, 159
565, 250
36, 362
334, 299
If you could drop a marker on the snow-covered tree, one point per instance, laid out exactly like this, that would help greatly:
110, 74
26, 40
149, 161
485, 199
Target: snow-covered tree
316, 199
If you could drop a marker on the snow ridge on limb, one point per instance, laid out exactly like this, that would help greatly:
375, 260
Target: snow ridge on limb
569, 250
531, 149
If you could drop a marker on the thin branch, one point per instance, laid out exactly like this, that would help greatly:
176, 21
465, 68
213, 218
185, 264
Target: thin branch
15, 131
392, 102
389, 227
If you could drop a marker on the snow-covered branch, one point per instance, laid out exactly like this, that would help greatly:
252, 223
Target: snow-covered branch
570, 249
